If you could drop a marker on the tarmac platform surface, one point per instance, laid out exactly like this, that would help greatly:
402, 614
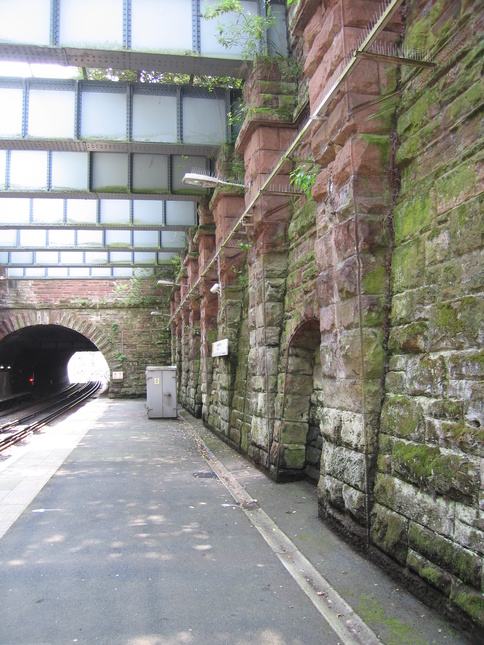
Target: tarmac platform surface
119, 529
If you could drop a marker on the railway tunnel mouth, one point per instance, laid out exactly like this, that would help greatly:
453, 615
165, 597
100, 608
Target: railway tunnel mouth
35, 360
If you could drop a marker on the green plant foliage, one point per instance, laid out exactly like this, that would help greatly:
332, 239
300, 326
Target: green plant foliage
246, 29
303, 177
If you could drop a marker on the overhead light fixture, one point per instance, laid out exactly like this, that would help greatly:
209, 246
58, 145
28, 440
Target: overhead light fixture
205, 181
169, 283
216, 289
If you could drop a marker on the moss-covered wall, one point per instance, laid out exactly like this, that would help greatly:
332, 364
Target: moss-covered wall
428, 512
355, 325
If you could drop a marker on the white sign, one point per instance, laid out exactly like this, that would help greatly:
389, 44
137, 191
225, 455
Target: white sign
220, 348
117, 376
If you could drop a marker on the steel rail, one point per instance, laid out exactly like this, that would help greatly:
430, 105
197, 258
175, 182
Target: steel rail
78, 397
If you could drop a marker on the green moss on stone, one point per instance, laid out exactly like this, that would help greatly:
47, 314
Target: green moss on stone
414, 216
453, 317
375, 282
471, 602
385, 492
383, 143
448, 555
402, 417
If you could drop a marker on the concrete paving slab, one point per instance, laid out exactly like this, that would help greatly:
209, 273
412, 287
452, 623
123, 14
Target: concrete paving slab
128, 543
132, 539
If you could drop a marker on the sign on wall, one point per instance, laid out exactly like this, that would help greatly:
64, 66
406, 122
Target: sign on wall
117, 376
221, 347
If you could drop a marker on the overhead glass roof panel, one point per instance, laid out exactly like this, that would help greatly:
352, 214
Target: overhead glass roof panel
103, 115
150, 173
181, 164
33, 238
22, 257
32, 273
146, 212
70, 171
51, 113
79, 272
209, 31
122, 272
81, 211
3, 169
90, 238
277, 33
28, 170
57, 272
152, 30
180, 213
146, 239
154, 118
125, 257
97, 257
97, 272
8, 238
71, 257
59, 238
209, 112
11, 101
173, 239
47, 257
118, 238
165, 256
25, 21
91, 23
114, 211
109, 172
48, 211
15, 210
146, 257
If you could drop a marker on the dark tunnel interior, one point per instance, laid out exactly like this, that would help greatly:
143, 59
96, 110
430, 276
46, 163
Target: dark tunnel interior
34, 359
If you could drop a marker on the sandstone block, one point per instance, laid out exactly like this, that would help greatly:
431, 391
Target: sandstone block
468, 600
402, 416
259, 432
331, 424
408, 264
293, 456
433, 574
445, 553
329, 28
436, 514
355, 503
389, 532
330, 490
344, 464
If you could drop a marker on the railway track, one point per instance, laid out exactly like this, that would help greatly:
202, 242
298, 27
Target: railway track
18, 429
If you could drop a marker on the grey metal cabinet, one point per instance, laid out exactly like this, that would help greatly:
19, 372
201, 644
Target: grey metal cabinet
161, 392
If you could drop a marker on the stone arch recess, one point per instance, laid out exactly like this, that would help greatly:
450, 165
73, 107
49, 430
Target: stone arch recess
299, 451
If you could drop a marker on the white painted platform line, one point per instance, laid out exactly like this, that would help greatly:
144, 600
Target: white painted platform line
334, 609
29, 467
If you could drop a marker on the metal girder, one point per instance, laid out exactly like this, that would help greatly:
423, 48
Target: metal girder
161, 35
110, 115
190, 64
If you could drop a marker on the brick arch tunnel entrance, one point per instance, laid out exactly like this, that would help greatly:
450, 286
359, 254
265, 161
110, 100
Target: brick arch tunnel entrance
35, 358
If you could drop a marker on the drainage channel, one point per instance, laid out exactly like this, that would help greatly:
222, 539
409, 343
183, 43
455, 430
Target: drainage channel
333, 608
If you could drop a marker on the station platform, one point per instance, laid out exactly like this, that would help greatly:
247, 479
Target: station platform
120, 529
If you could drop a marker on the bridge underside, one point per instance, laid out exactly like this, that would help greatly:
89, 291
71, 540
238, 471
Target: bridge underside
91, 171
